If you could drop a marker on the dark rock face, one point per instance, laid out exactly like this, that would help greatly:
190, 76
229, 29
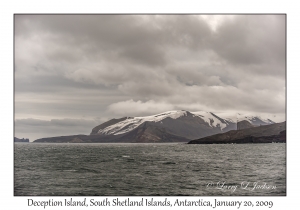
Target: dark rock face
148, 132
20, 140
244, 124
261, 134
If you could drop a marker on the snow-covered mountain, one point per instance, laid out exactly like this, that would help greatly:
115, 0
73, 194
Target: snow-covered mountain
253, 119
171, 126
165, 126
128, 124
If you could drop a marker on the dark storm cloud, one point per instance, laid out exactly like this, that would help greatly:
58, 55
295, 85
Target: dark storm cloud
103, 66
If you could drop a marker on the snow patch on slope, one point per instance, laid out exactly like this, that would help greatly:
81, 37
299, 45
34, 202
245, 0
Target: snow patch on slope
237, 117
132, 123
210, 119
228, 116
252, 118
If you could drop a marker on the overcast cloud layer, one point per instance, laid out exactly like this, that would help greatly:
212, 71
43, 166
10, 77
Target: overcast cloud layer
73, 72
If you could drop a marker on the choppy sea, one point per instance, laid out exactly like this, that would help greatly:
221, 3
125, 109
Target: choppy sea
166, 169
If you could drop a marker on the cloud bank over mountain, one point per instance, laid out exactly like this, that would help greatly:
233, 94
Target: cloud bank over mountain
98, 67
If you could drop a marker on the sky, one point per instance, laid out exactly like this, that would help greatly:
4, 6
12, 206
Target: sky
74, 72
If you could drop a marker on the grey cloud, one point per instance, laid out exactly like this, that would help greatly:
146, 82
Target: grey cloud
252, 39
55, 122
99, 66
148, 89
68, 105
73, 122
50, 83
105, 33
124, 35
145, 54
138, 108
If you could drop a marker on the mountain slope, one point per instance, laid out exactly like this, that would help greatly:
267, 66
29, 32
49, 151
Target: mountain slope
244, 124
171, 126
182, 123
106, 124
260, 134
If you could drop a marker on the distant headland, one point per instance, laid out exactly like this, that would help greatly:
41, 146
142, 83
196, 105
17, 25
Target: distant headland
21, 140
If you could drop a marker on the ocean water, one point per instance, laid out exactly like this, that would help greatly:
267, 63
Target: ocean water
176, 169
